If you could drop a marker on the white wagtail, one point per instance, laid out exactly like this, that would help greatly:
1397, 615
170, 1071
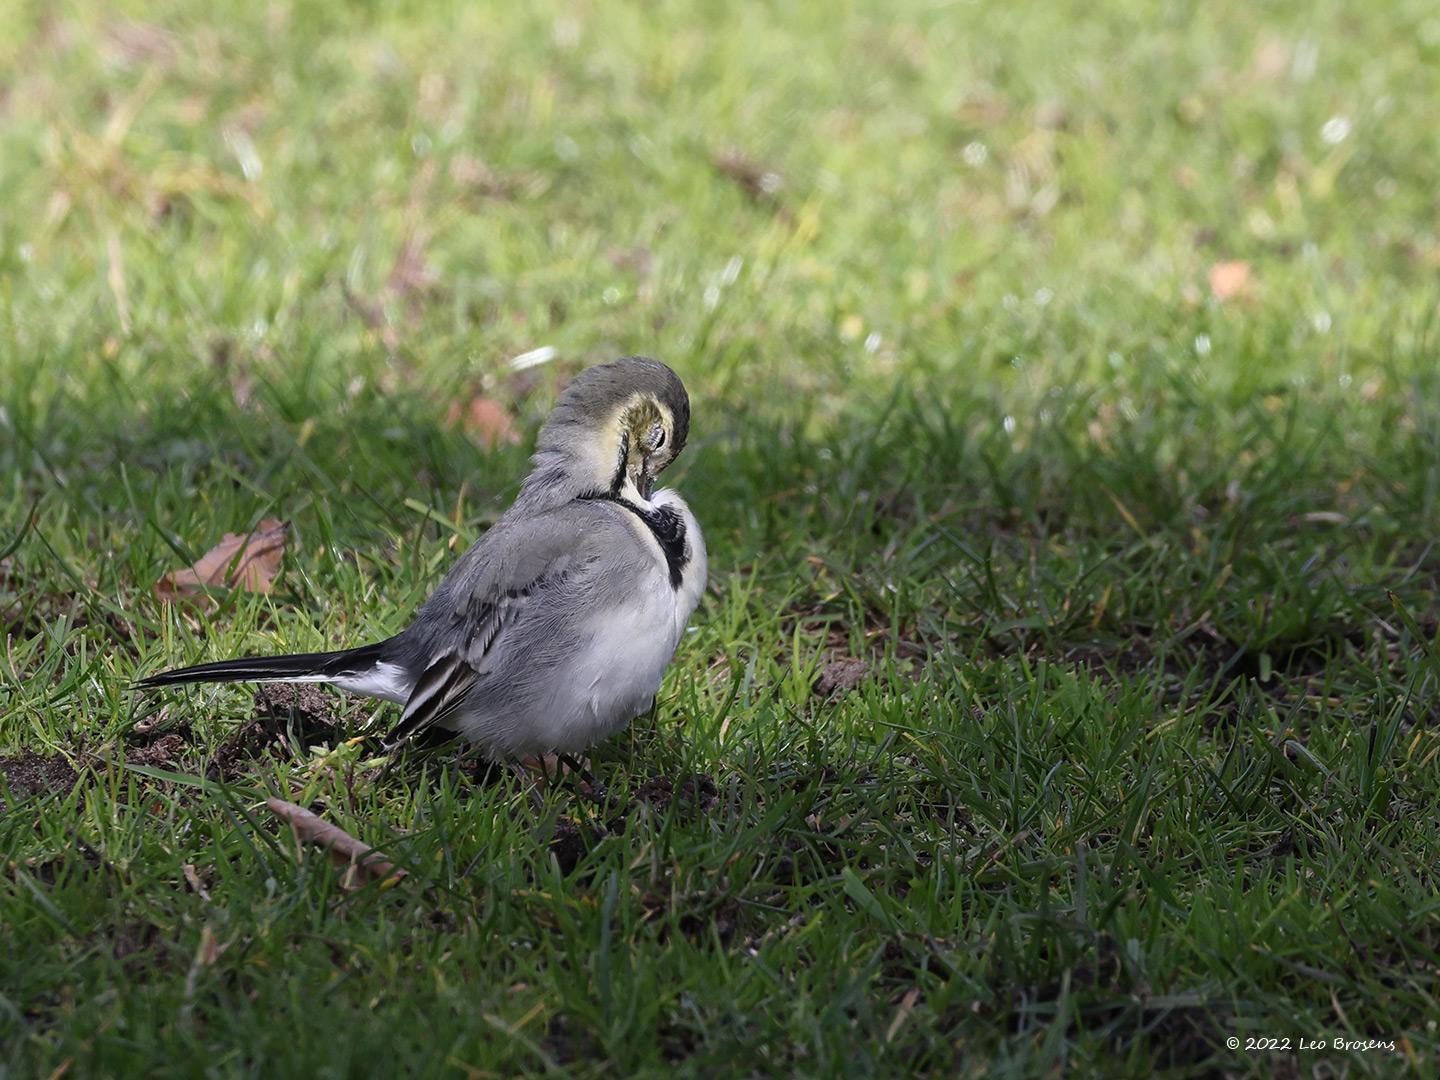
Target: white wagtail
553, 630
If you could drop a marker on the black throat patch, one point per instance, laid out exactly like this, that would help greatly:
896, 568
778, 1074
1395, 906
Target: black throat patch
617, 482
666, 526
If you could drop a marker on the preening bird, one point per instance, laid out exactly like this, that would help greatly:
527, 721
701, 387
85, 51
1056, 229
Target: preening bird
554, 629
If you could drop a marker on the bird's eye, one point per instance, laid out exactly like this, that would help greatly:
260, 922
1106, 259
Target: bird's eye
658, 439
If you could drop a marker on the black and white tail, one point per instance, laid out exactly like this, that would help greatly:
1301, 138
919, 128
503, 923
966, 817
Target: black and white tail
362, 671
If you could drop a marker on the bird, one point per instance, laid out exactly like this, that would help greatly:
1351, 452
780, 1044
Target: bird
554, 630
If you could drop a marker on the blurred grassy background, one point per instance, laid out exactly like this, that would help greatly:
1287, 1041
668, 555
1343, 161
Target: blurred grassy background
1073, 364
744, 190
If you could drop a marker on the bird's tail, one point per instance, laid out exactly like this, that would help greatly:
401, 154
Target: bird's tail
363, 670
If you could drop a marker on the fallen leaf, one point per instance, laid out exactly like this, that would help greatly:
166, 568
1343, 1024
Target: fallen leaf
193, 879
310, 828
150, 723
484, 419
907, 1005
247, 561
1229, 279
209, 949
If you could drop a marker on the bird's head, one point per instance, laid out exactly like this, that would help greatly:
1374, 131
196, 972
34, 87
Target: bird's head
617, 426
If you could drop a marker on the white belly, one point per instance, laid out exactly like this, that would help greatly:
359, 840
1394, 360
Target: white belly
620, 673
615, 671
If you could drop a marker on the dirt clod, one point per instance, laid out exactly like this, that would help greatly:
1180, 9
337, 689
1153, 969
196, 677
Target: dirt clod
280, 710
567, 845
692, 791
29, 774
309, 707
160, 752
842, 675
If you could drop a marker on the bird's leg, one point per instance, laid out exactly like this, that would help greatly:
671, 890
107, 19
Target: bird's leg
597, 790
528, 781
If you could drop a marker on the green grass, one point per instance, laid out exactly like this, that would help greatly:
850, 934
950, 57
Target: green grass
1146, 755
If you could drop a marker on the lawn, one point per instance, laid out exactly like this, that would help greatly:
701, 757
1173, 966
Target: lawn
1067, 441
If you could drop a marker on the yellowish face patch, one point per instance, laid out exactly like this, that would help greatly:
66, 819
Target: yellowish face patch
643, 433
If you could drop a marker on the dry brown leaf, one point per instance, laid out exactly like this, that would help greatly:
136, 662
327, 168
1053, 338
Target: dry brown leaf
907, 1005
484, 419
192, 877
246, 561
209, 949
151, 722
344, 848
1229, 279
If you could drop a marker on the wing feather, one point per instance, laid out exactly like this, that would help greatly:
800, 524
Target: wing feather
469, 616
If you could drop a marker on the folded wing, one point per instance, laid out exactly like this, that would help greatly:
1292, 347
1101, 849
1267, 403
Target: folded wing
512, 570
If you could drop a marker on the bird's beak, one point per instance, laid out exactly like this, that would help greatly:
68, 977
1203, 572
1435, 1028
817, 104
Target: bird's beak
647, 486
